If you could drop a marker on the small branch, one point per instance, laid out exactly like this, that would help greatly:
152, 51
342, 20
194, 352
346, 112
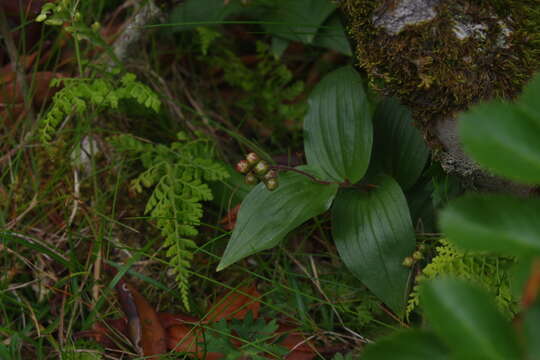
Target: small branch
134, 30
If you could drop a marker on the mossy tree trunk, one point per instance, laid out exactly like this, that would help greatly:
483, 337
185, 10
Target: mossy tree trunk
441, 56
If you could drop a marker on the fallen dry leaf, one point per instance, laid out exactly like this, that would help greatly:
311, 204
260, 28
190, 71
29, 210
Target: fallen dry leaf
229, 220
144, 327
155, 333
12, 97
236, 304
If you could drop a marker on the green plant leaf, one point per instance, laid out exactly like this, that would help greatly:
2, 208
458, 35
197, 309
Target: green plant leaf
467, 318
497, 223
373, 234
338, 133
297, 20
503, 137
407, 345
531, 325
266, 217
331, 35
399, 149
193, 13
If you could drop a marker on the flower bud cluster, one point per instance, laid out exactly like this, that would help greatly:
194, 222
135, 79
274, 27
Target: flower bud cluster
416, 256
256, 170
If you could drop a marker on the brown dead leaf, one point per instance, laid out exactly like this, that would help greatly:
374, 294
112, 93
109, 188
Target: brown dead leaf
144, 328
236, 304
229, 220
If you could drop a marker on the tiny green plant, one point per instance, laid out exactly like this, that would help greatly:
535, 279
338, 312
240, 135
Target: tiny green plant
257, 335
464, 320
371, 224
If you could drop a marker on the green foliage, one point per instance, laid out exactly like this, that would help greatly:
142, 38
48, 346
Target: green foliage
177, 173
489, 272
373, 233
206, 37
464, 316
511, 128
97, 94
338, 129
258, 337
262, 222
65, 12
371, 223
268, 85
407, 345
313, 22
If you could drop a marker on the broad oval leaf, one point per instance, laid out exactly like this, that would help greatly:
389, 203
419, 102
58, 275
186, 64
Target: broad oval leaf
331, 35
498, 223
468, 320
504, 137
297, 20
399, 149
373, 234
407, 345
193, 13
338, 133
265, 217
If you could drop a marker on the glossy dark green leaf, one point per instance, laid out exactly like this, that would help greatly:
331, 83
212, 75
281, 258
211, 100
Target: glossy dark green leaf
338, 133
504, 137
266, 217
297, 20
331, 35
373, 234
467, 319
407, 345
498, 223
399, 148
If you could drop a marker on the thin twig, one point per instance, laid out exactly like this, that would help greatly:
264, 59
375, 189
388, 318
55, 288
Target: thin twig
135, 29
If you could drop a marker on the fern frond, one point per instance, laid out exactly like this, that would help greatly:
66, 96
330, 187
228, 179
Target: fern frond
176, 173
489, 272
80, 95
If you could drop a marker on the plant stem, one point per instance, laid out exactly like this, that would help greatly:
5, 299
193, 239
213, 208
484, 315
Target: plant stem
345, 184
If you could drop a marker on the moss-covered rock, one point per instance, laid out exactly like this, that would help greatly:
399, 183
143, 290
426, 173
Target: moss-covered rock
439, 57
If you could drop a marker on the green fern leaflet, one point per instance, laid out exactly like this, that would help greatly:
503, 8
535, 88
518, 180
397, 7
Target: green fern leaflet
177, 174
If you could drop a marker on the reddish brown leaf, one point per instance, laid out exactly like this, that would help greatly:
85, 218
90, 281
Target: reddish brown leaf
236, 304
296, 343
11, 93
144, 328
229, 220
7, 72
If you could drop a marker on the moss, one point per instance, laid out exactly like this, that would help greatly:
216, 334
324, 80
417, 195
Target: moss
437, 74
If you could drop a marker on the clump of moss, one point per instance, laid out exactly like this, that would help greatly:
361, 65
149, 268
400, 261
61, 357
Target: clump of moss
435, 72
